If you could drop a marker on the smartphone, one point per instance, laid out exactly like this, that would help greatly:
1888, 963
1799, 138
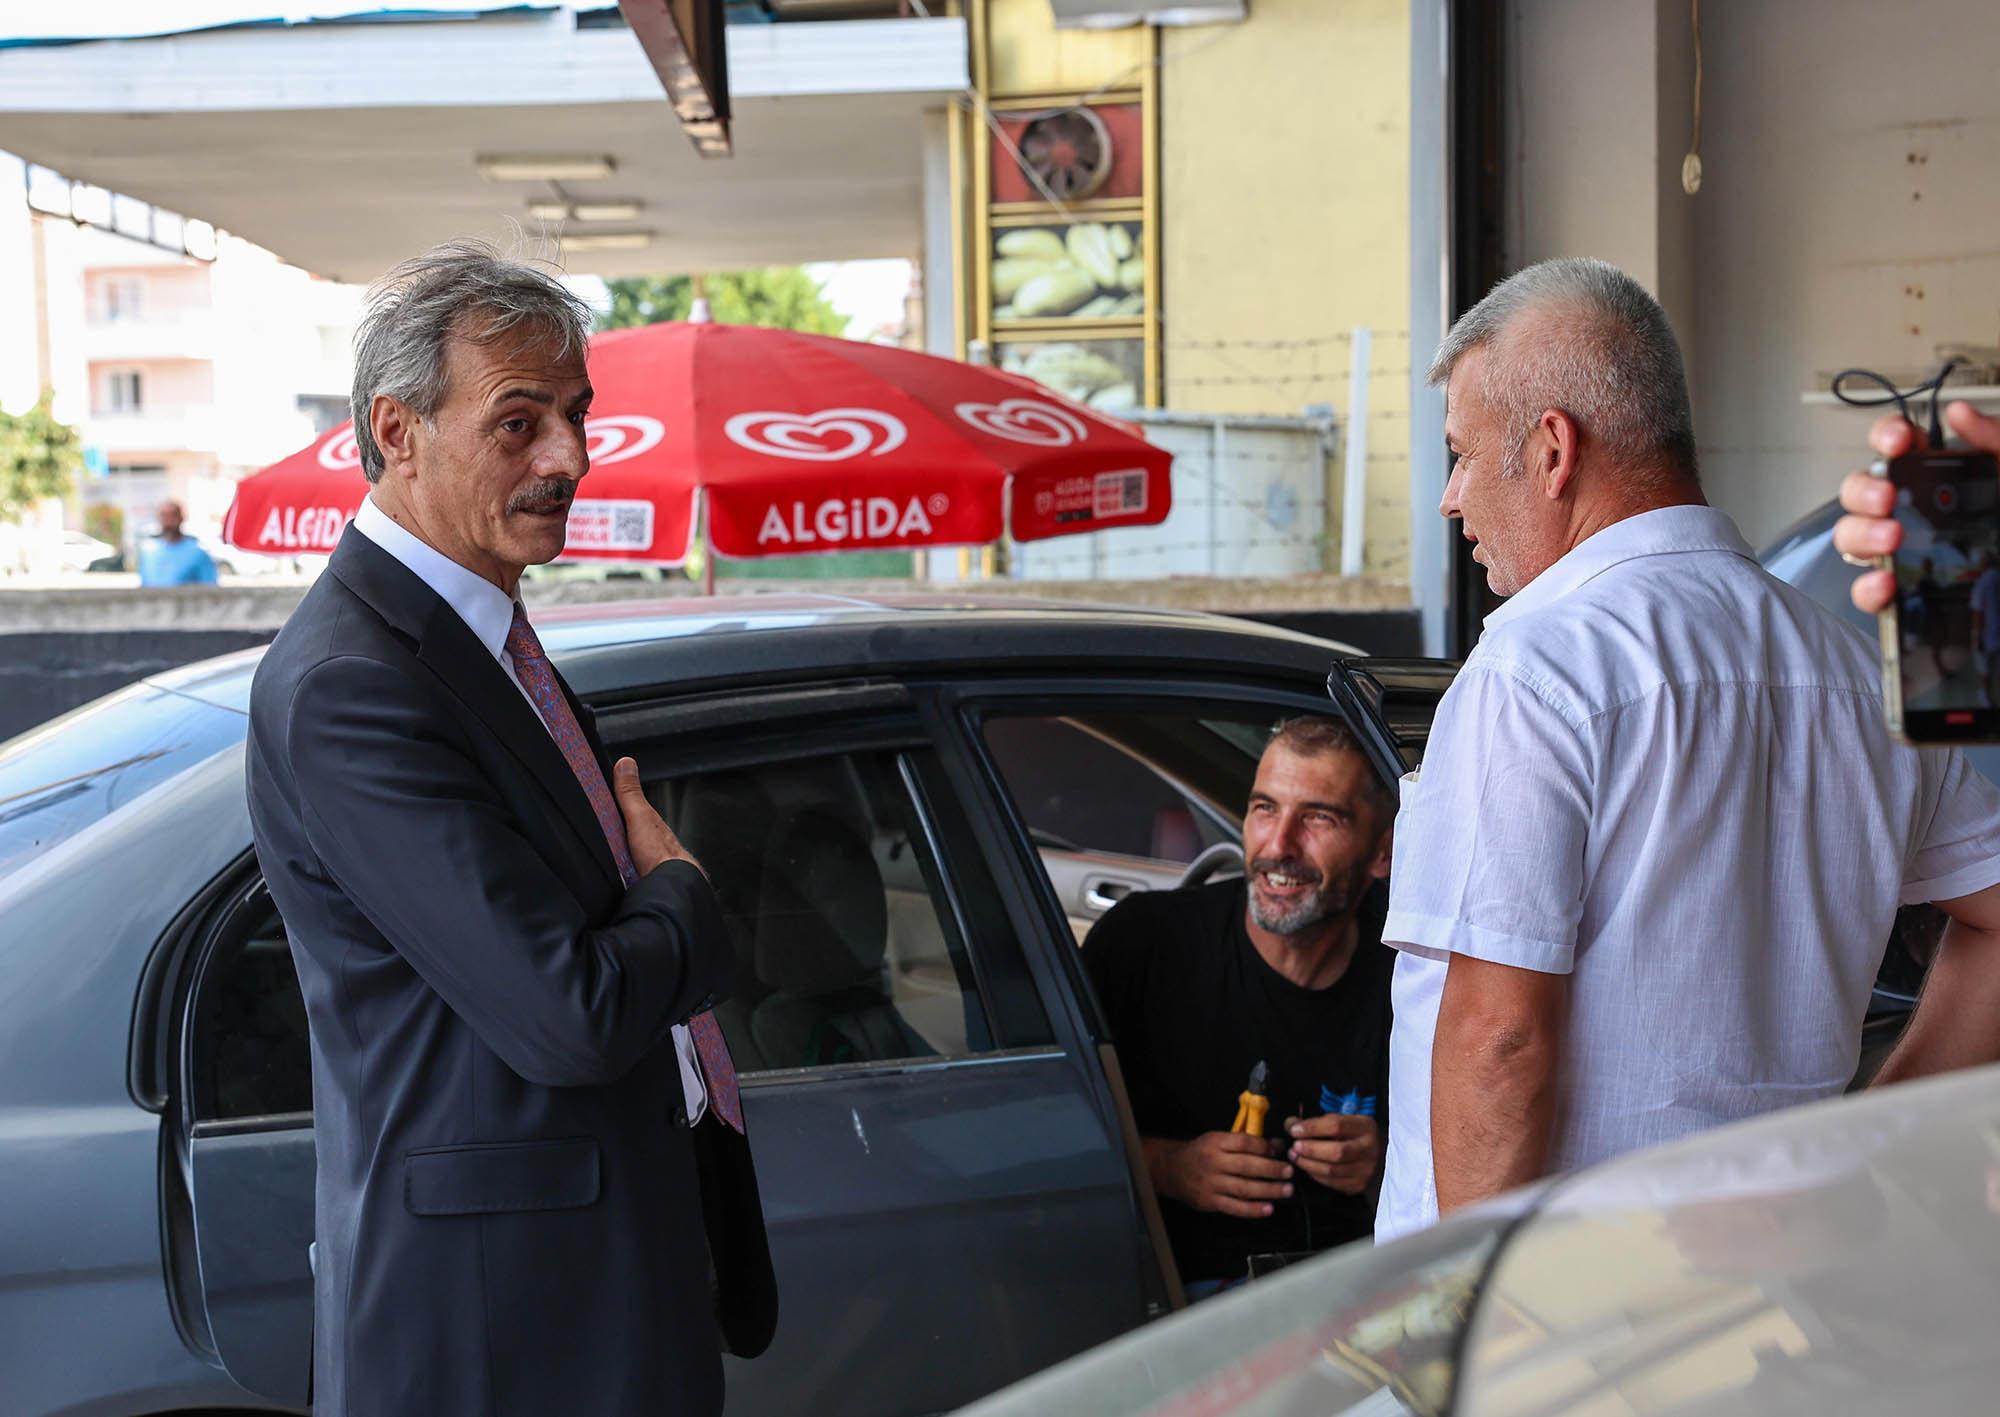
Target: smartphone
1941, 633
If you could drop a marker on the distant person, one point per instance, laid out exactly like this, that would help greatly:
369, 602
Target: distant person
174, 558
1284, 967
1647, 872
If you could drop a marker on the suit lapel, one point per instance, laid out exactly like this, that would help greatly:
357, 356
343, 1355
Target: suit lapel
446, 646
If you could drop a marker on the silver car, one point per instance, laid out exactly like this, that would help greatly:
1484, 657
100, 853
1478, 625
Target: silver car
1842, 1258
947, 1183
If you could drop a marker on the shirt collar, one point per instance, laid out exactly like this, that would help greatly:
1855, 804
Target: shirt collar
487, 610
1654, 533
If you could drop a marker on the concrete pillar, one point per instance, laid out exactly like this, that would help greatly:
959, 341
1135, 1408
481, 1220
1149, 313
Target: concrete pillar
1600, 112
940, 288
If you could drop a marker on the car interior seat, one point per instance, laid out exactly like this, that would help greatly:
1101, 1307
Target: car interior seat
722, 819
821, 938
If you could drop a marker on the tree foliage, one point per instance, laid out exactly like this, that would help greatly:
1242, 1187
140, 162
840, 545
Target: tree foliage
39, 457
777, 297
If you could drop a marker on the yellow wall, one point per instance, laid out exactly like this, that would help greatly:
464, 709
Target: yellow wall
1284, 164
1030, 55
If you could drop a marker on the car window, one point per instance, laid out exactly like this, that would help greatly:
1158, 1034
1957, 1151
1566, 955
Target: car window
848, 948
1080, 788
247, 1043
1119, 801
76, 770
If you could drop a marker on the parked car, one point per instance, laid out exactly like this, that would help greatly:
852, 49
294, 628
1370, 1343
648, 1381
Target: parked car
80, 551
950, 1198
1838, 1258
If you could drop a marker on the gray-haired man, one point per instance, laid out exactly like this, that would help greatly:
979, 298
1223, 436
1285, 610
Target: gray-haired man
1647, 872
534, 1190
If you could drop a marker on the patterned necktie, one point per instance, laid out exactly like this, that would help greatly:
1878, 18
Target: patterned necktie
538, 677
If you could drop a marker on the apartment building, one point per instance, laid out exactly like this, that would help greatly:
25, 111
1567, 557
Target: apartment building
197, 373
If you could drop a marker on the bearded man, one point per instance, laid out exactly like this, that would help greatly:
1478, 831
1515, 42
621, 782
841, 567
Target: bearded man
1284, 967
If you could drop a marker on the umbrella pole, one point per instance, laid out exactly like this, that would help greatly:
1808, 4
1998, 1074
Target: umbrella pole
707, 551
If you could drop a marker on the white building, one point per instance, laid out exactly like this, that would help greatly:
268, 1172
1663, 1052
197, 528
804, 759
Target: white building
182, 375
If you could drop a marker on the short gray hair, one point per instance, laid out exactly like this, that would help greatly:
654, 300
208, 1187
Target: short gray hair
460, 290
1601, 350
1310, 735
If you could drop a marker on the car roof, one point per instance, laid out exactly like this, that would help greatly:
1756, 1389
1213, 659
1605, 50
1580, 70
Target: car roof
633, 646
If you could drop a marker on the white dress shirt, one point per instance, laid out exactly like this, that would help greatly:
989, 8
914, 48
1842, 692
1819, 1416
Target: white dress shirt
1666, 773
488, 612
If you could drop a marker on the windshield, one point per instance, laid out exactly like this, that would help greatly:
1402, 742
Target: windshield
1367, 1329
75, 770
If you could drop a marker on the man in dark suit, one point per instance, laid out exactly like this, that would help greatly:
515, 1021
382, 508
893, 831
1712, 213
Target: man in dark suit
535, 1195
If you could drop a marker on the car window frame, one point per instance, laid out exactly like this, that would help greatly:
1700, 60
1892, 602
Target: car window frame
959, 706
792, 724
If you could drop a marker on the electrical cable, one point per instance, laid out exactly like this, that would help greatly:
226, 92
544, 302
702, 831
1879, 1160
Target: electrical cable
1934, 386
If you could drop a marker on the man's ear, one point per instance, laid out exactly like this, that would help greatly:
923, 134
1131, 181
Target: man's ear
1384, 851
396, 428
1555, 442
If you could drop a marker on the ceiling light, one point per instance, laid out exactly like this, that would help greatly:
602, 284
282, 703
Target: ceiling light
549, 211
571, 168
605, 240
618, 209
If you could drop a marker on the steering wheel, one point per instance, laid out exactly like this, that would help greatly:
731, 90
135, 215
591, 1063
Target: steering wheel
1225, 858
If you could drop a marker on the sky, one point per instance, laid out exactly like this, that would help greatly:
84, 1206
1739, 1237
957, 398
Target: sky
869, 293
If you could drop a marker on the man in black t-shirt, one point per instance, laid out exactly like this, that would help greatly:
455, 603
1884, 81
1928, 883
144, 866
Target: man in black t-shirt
1286, 967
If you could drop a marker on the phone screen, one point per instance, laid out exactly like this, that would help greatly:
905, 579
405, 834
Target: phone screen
1941, 644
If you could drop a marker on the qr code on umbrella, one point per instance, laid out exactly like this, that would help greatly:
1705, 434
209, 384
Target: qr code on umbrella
610, 526
1119, 494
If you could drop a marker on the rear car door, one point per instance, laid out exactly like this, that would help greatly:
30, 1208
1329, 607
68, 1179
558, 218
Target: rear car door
943, 1178
238, 1175
942, 1173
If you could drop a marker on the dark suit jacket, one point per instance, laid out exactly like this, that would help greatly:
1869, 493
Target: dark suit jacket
511, 1207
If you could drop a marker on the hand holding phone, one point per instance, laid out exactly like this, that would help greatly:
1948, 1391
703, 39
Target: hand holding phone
1870, 528
1941, 621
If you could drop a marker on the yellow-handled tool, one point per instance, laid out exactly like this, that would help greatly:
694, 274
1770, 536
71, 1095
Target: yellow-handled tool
1252, 1104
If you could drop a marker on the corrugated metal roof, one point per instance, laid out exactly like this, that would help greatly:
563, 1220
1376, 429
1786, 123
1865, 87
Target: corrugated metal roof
30, 22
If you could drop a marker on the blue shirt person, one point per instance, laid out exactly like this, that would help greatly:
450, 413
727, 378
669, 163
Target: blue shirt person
175, 559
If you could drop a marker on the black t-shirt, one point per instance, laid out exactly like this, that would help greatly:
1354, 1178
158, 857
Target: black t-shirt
1193, 1007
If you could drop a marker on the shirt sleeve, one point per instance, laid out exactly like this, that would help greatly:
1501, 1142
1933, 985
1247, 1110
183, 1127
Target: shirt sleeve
1960, 853
1490, 841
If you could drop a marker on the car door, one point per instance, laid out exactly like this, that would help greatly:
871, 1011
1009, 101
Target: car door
239, 1170
942, 1172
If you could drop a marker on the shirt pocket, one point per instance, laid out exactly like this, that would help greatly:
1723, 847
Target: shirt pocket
491, 1178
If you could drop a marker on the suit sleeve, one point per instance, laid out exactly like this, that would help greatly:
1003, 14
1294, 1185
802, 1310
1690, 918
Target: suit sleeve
402, 818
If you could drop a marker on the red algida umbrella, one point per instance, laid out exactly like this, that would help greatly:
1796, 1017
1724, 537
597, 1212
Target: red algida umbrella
798, 443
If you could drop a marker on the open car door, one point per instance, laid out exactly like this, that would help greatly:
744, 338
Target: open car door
1391, 702
245, 1152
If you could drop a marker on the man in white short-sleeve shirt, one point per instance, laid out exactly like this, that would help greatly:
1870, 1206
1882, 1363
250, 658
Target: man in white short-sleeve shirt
1646, 874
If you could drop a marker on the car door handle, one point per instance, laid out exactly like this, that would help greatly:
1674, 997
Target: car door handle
1103, 894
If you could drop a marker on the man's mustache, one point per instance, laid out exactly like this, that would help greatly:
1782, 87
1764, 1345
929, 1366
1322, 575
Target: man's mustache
552, 495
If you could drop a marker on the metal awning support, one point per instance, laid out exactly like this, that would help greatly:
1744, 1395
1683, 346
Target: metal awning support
683, 39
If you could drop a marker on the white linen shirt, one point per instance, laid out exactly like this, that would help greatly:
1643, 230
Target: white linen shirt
1666, 773
488, 612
